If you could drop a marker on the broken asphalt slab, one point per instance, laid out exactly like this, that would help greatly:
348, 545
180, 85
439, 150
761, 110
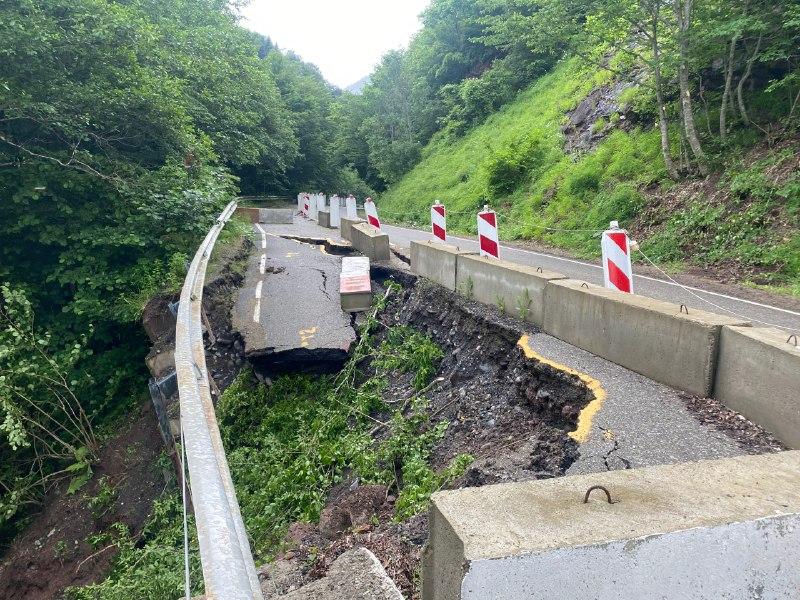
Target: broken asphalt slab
288, 310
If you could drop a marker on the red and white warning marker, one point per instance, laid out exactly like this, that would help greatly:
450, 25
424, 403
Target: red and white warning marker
305, 206
487, 232
617, 270
372, 213
439, 221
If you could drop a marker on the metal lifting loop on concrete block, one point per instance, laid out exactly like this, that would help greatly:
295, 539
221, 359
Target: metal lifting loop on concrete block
585, 285
228, 569
789, 339
597, 487
539, 270
684, 309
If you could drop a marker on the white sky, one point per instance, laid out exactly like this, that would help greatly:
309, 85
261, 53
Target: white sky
344, 38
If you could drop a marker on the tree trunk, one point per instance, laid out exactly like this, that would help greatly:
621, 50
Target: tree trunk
663, 123
683, 14
723, 109
747, 71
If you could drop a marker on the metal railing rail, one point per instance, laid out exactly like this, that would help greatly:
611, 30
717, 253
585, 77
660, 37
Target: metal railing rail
228, 569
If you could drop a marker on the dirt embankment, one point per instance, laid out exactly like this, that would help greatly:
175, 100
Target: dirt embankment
512, 414
56, 551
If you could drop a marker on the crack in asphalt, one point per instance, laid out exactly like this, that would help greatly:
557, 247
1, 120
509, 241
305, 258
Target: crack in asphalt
324, 288
609, 435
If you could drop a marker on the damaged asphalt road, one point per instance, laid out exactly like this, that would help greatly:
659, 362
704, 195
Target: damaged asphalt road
288, 309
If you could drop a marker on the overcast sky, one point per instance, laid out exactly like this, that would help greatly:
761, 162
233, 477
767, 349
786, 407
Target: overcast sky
344, 38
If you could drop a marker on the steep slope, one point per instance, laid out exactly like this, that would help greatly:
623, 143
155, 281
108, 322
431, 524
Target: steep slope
569, 154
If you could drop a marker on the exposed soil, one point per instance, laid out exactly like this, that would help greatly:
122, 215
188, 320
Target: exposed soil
511, 413
54, 551
225, 347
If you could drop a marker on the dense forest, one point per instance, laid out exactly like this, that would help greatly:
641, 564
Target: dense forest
126, 125
678, 118
124, 128
734, 65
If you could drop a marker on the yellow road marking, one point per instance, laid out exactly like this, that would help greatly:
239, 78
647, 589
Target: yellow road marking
306, 335
581, 433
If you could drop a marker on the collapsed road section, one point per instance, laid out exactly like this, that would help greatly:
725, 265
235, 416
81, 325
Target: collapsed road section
288, 309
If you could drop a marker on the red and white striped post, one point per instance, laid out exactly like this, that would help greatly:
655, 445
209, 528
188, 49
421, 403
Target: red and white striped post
439, 221
487, 233
372, 213
305, 205
616, 248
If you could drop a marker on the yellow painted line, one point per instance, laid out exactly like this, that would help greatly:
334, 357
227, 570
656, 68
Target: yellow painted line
581, 433
306, 335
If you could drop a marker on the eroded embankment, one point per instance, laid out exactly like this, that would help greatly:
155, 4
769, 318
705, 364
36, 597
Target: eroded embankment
508, 414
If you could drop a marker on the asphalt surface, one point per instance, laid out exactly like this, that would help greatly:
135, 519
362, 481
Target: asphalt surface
639, 423
288, 310
724, 304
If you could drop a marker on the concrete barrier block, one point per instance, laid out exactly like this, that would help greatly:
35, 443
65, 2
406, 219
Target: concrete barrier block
346, 227
324, 218
517, 289
648, 336
436, 261
276, 216
371, 242
249, 213
703, 530
758, 375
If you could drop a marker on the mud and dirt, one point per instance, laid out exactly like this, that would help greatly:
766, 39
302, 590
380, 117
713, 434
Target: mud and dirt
511, 413
54, 551
750, 437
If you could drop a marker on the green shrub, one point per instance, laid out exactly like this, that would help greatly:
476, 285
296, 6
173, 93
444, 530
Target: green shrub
510, 166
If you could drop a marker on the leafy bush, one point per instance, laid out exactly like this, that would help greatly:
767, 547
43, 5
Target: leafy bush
510, 166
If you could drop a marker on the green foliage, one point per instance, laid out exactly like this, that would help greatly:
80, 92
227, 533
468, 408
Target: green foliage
512, 164
149, 566
289, 443
716, 233
524, 305
43, 423
103, 500
406, 350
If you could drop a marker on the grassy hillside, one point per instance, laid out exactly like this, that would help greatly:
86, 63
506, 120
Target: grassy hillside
741, 221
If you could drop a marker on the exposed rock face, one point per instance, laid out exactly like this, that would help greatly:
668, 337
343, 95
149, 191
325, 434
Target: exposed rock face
590, 121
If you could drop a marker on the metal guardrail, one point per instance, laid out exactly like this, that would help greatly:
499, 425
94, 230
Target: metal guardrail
228, 568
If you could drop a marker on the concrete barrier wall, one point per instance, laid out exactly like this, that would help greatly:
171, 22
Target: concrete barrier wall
324, 218
517, 289
751, 370
346, 227
370, 242
276, 216
645, 335
436, 261
703, 530
758, 375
